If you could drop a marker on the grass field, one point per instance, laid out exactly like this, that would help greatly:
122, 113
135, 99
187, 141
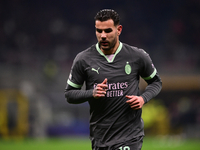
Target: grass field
150, 143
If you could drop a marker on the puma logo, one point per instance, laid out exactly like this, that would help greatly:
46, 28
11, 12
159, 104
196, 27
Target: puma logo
96, 70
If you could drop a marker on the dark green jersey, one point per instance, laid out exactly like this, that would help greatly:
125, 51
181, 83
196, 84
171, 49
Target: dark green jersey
111, 118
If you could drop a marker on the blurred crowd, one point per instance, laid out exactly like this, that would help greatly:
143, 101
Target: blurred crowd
39, 40
33, 32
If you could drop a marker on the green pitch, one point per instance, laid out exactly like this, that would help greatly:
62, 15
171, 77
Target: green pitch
84, 144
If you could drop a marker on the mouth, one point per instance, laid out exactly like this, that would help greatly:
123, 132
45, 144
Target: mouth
104, 43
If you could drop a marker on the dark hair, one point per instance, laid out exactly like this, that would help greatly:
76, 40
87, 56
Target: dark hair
106, 14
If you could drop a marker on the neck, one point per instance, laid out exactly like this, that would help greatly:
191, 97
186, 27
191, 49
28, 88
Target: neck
112, 50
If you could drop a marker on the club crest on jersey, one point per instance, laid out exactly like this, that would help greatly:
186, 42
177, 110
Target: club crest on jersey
127, 68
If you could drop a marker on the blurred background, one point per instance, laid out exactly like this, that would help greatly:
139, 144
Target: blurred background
39, 40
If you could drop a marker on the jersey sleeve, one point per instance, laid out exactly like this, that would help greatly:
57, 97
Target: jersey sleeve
73, 92
77, 75
149, 73
147, 70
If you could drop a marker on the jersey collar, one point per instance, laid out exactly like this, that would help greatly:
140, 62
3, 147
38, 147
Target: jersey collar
117, 51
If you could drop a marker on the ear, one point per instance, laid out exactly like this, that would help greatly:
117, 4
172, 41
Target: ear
119, 29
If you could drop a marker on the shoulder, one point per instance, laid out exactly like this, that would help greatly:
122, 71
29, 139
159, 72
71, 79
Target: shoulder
85, 54
139, 52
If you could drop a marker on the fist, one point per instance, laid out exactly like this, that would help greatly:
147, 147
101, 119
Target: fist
100, 89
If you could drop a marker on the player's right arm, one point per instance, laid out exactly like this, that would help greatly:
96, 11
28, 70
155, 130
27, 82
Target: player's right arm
73, 92
78, 75
76, 95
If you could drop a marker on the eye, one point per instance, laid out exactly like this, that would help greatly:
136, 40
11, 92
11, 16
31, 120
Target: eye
108, 30
99, 30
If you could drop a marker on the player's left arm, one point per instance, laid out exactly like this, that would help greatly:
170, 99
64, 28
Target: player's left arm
135, 102
153, 88
150, 74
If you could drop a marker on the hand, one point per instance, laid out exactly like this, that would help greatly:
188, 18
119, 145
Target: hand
135, 102
100, 89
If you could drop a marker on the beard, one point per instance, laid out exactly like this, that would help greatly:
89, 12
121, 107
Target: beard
106, 45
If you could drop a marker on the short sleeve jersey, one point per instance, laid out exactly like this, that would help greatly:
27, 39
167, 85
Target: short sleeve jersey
111, 118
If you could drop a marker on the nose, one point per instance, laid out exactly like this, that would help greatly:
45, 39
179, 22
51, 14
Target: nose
103, 35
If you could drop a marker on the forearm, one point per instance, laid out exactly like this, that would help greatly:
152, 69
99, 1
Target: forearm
74, 96
152, 89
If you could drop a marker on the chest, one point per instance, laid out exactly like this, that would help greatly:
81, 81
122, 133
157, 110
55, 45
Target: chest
121, 69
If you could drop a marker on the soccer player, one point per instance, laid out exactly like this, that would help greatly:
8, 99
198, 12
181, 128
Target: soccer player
111, 71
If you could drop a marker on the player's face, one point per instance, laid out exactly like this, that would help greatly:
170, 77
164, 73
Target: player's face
108, 35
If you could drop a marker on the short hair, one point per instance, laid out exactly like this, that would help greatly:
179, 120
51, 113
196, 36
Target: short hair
106, 14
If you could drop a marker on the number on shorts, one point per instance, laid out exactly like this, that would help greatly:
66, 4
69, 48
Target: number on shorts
124, 148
